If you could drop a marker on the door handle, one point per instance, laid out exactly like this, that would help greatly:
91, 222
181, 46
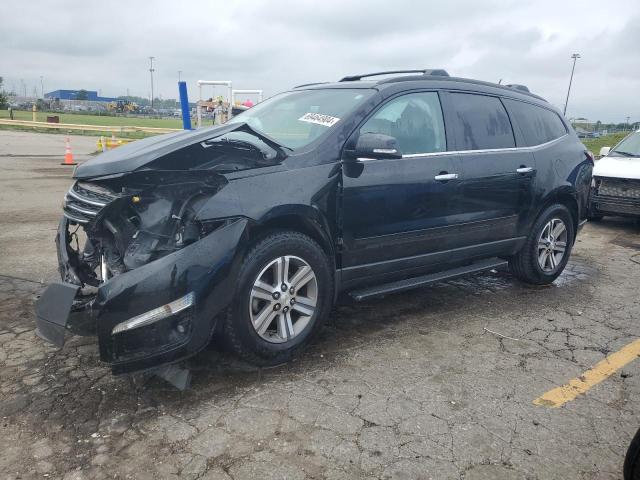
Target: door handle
524, 170
445, 177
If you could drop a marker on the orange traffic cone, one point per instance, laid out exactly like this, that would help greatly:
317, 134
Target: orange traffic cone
68, 156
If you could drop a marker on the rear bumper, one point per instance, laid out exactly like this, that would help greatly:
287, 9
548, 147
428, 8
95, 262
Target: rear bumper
609, 205
207, 268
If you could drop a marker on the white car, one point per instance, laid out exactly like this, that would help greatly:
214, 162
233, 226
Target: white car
616, 180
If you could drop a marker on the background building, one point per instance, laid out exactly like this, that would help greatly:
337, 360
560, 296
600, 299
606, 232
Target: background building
90, 95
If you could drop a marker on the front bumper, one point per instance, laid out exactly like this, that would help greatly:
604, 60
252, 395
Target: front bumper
610, 205
207, 268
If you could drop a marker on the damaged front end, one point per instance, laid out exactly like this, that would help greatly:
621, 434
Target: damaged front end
144, 279
139, 268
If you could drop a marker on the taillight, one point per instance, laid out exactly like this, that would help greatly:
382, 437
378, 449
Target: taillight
590, 155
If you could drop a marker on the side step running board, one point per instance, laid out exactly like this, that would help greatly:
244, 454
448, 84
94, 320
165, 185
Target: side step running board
415, 282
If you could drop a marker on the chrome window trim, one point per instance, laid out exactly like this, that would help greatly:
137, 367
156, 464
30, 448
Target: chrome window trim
487, 150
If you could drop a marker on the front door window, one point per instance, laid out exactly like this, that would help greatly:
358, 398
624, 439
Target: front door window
415, 120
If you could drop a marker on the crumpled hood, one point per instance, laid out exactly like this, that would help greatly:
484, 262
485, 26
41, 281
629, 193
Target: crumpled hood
617, 167
135, 155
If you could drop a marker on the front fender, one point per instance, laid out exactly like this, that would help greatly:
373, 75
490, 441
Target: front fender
207, 268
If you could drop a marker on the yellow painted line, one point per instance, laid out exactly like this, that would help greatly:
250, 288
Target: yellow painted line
601, 371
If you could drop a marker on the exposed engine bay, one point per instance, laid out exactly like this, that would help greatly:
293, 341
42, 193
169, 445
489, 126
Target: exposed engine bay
131, 219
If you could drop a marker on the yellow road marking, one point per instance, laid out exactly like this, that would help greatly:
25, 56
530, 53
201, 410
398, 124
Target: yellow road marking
601, 371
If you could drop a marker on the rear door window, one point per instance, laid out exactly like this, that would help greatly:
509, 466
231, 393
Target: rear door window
480, 122
538, 125
415, 120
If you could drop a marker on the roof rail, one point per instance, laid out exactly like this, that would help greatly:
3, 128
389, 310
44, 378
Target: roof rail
437, 72
309, 84
522, 88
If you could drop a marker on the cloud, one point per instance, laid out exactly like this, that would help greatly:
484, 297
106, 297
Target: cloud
277, 44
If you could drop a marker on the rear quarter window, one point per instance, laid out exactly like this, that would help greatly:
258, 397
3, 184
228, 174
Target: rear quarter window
480, 122
538, 125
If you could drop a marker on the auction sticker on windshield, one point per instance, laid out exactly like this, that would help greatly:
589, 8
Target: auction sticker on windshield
320, 119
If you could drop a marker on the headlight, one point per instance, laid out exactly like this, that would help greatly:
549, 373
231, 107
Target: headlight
156, 314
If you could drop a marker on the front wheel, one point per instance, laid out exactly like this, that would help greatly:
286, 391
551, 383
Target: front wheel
284, 293
547, 248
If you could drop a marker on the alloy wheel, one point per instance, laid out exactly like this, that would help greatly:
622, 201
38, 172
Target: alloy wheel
552, 245
283, 299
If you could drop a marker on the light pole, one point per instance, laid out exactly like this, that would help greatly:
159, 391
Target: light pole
179, 80
151, 72
575, 56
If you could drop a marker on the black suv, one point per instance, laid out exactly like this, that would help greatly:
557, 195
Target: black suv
251, 231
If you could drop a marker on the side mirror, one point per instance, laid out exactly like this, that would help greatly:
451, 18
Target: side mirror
377, 145
604, 151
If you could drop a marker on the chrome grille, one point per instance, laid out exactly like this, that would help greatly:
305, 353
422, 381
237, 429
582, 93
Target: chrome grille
83, 201
619, 187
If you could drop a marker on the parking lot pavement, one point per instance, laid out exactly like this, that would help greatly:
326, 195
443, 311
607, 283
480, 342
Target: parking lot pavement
28, 144
32, 188
434, 383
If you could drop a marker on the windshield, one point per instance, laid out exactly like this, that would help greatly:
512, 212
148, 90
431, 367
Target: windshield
629, 147
295, 119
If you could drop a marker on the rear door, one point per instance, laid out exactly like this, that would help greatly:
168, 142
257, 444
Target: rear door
497, 186
542, 131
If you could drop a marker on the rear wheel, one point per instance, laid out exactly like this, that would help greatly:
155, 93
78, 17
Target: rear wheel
284, 293
547, 248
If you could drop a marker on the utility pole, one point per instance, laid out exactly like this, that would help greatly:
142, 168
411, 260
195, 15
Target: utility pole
151, 72
42, 85
24, 86
628, 122
575, 56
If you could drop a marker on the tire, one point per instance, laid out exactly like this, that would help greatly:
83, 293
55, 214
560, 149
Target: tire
279, 340
526, 264
631, 468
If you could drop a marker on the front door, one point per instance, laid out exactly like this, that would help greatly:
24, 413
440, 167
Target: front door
398, 211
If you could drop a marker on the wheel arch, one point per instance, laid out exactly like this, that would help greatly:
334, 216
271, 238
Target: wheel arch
298, 218
564, 196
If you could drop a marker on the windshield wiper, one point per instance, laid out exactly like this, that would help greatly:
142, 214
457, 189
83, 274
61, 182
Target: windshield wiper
222, 142
626, 154
244, 126
267, 157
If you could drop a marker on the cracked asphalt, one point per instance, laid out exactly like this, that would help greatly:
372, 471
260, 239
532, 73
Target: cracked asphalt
434, 383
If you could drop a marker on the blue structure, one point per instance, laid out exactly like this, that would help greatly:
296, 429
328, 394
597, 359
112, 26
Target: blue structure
184, 105
92, 95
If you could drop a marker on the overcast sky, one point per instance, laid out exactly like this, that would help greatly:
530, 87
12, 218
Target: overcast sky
275, 45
